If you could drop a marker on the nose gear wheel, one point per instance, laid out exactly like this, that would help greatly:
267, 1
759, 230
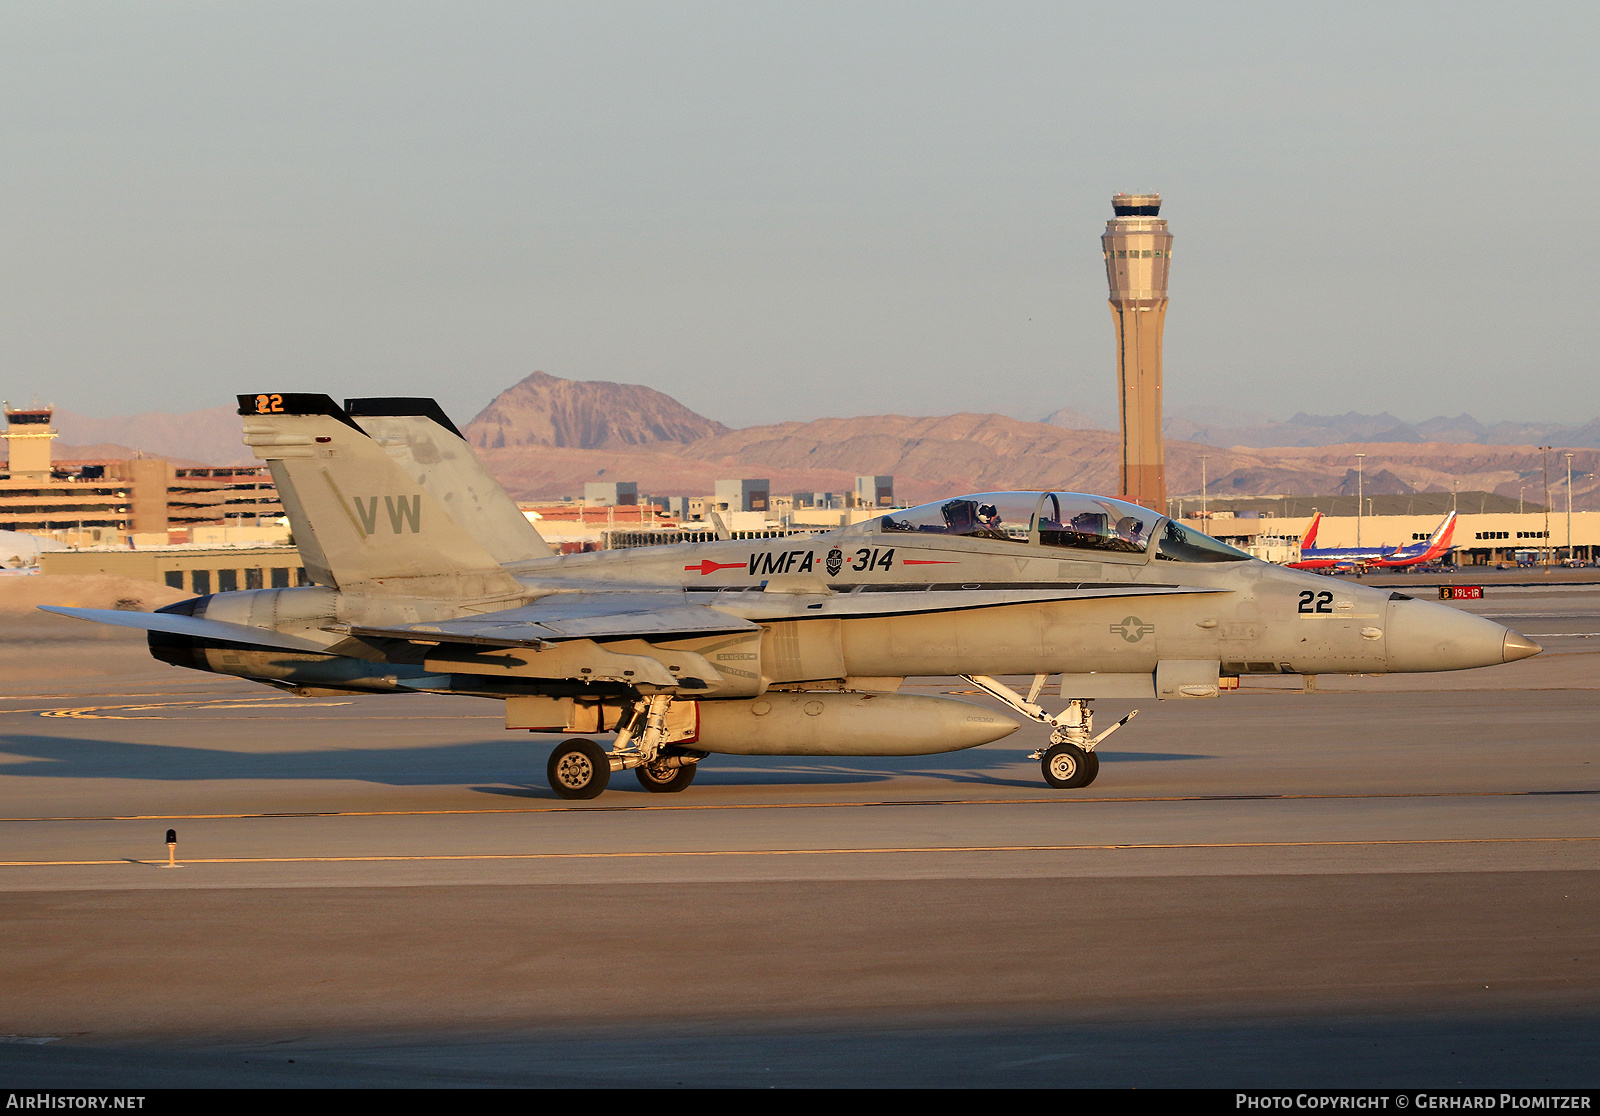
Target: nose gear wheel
1070, 761
1067, 766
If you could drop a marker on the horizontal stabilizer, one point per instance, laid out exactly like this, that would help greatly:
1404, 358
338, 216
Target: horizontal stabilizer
194, 626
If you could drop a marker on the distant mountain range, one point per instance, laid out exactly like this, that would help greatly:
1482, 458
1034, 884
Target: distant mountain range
545, 436
1218, 427
540, 449
543, 410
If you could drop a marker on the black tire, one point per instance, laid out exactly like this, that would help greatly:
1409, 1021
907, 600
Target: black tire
1067, 766
578, 769
667, 780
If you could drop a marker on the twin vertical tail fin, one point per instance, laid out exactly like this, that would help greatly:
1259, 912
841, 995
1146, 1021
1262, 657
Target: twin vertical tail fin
426, 445
362, 522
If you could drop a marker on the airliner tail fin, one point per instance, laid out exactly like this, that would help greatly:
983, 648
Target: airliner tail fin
1309, 539
1440, 542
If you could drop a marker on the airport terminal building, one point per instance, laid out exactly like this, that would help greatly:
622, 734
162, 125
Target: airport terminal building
138, 501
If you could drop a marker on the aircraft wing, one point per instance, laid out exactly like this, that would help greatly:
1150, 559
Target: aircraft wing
194, 626
563, 616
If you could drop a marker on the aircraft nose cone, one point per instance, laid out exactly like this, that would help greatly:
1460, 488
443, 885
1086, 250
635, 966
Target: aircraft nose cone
1518, 646
1423, 636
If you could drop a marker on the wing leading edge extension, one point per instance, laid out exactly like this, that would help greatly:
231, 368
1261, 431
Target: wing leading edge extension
646, 615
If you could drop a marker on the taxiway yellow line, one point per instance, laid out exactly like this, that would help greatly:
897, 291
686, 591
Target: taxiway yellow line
102, 712
1059, 801
208, 704
686, 853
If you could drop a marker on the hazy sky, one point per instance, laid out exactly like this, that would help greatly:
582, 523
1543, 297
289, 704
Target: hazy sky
780, 211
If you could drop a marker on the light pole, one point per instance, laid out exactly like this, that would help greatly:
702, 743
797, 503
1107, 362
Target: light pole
1569, 506
1520, 490
1359, 496
1548, 550
1204, 517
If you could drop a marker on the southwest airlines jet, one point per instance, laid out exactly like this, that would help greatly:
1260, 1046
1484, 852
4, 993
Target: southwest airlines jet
1358, 558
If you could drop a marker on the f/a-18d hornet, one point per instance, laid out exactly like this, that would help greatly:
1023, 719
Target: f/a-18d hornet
1359, 558
428, 580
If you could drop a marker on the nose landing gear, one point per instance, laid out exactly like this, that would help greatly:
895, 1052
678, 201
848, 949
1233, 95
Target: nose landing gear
1070, 761
1067, 766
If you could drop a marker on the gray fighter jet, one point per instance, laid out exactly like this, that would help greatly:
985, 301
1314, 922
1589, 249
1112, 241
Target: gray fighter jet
427, 579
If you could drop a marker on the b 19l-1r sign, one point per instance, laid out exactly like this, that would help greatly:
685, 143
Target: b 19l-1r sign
429, 580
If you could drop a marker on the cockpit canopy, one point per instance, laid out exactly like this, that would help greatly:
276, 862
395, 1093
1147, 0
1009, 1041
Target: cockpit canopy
1068, 520
1094, 523
1062, 519
1004, 516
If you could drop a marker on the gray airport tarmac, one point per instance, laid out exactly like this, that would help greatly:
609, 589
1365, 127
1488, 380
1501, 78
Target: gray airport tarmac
1387, 881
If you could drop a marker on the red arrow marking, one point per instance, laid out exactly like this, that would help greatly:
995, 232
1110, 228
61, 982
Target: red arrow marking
927, 562
708, 566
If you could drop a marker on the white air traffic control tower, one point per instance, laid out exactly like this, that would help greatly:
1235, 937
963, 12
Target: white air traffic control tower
1138, 248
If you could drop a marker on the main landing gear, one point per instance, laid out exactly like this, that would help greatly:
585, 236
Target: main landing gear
1070, 760
579, 769
666, 775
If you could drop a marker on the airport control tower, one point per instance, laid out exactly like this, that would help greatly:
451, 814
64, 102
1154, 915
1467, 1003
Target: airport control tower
28, 434
1137, 248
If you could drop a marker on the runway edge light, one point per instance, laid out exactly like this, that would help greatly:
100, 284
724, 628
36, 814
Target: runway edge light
172, 850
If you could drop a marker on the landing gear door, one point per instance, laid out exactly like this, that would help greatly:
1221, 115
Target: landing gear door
1134, 687
1187, 678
